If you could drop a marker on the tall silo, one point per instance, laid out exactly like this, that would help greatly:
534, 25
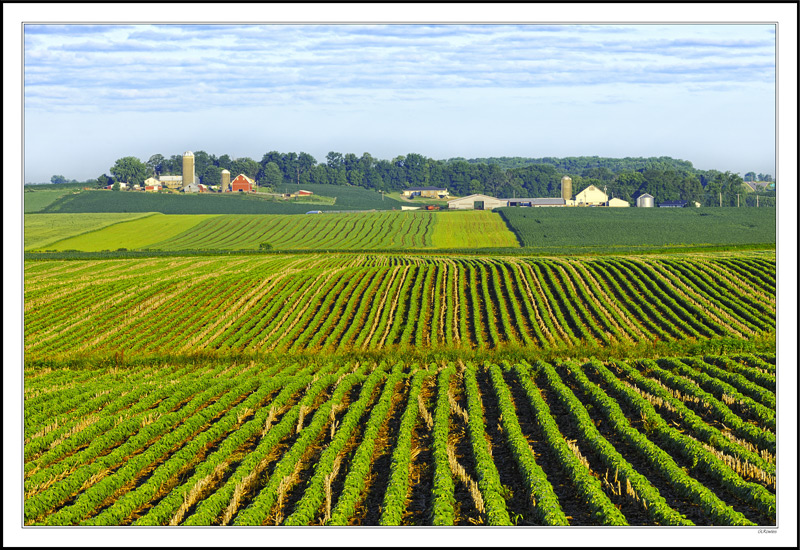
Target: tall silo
645, 201
226, 181
188, 168
566, 188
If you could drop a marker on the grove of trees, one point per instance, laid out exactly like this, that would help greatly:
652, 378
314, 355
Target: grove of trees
663, 177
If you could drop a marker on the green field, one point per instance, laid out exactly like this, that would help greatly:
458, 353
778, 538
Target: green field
570, 230
346, 198
393, 230
137, 233
338, 302
397, 368
401, 389
44, 229
360, 442
339, 231
36, 197
475, 229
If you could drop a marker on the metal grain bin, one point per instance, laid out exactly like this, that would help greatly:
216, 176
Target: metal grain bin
645, 201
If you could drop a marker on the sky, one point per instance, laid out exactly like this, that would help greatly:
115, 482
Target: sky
698, 92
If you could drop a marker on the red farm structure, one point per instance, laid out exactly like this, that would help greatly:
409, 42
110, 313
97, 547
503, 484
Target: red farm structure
243, 183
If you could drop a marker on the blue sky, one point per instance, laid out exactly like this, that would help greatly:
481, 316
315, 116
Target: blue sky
94, 93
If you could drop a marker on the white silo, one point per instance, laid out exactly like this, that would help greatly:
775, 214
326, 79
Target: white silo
225, 182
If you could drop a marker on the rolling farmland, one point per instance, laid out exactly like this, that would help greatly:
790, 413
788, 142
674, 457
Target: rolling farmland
345, 302
677, 441
341, 231
369, 386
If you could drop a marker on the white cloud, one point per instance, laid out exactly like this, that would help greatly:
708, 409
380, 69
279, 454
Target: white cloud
248, 71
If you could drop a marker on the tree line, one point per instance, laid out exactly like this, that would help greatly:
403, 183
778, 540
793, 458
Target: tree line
664, 178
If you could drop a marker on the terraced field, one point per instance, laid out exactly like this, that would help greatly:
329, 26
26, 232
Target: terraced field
341, 302
678, 441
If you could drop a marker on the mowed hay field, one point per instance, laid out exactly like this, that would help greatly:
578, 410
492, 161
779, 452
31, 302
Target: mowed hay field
44, 229
340, 231
678, 441
475, 229
343, 302
137, 233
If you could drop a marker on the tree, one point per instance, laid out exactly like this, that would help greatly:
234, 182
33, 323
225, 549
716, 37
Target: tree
212, 175
104, 181
475, 187
334, 159
156, 164
130, 170
246, 166
115, 187
272, 176
58, 179
224, 162
750, 176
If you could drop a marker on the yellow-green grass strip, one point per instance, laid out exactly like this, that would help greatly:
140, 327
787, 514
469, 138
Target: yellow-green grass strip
472, 229
138, 233
42, 230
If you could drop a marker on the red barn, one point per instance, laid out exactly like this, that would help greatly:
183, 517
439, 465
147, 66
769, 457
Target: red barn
243, 183
304, 193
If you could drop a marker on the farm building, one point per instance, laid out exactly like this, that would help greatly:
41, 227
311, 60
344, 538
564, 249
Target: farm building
427, 192
171, 182
618, 203
476, 202
304, 193
673, 204
645, 201
152, 188
591, 196
192, 188
243, 183
151, 182
537, 202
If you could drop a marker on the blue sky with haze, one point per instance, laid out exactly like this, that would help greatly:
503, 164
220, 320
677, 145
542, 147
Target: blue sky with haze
703, 93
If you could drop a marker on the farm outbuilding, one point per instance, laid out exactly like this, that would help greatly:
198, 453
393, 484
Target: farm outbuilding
427, 192
476, 202
304, 193
171, 182
591, 196
243, 183
645, 201
673, 204
618, 203
539, 202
